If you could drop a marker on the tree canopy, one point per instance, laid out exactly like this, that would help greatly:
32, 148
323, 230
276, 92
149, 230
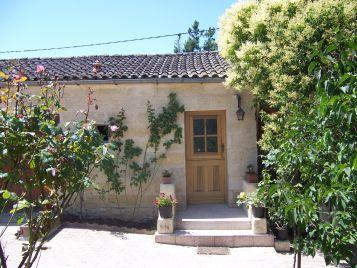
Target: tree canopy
193, 42
298, 59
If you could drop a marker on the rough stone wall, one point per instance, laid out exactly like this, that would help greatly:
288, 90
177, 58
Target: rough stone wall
241, 136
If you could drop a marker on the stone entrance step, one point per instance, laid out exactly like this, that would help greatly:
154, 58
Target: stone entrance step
212, 217
217, 238
214, 224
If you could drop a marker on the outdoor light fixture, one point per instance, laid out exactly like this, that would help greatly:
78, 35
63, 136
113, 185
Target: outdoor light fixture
240, 112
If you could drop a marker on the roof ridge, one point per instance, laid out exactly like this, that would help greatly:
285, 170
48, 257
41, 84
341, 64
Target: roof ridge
113, 55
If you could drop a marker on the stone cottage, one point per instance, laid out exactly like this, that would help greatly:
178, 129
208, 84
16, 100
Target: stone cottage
210, 164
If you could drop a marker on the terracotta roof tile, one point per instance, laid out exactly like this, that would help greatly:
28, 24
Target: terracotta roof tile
182, 65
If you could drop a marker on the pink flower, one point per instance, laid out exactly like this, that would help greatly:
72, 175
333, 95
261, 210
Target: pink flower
53, 171
114, 128
40, 69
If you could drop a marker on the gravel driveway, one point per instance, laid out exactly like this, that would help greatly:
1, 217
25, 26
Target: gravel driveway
75, 247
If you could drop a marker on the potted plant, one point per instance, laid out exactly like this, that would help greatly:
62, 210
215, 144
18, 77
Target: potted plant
281, 231
166, 177
165, 203
280, 226
251, 199
251, 175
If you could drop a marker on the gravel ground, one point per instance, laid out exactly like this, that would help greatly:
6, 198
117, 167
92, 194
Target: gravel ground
75, 247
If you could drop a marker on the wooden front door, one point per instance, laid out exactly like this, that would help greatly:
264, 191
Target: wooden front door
206, 156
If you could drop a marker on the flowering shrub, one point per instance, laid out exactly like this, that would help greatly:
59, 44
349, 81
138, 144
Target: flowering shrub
298, 58
165, 201
44, 163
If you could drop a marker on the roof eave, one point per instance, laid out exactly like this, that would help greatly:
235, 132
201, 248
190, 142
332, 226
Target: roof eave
134, 81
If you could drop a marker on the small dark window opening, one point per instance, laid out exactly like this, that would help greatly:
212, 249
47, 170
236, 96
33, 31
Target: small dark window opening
103, 130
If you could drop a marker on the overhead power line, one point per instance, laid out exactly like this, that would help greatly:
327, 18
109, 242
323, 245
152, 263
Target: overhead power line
100, 44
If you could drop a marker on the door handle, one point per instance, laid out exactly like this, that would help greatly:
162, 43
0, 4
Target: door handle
222, 148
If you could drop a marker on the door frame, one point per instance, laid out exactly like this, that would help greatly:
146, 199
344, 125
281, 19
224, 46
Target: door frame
188, 150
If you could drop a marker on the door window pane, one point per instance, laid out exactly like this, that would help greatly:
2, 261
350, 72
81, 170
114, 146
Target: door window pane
212, 146
199, 144
211, 126
198, 127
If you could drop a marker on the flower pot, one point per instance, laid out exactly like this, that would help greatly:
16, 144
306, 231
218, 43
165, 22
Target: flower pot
166, 180
251, 177
165, 212
281, 233
258, 212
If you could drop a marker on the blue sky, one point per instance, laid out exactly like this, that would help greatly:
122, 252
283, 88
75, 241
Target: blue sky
32, 24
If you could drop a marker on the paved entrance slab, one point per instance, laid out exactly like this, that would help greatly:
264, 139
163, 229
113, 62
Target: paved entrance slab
75, 248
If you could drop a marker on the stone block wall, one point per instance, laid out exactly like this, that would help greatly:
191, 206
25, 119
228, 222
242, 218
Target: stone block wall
241, 136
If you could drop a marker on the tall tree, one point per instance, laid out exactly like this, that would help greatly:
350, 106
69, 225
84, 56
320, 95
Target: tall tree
193, 42
210, 43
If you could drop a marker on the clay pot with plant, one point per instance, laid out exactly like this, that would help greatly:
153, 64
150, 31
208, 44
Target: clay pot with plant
166, 177
280, 226
165, 204
251, 176
251, 199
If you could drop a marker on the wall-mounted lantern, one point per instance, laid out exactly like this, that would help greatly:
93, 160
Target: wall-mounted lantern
240, 112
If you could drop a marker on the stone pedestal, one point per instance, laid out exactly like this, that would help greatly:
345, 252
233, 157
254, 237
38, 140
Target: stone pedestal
282, 246
248, 210
259, 225
249, 187
165, 226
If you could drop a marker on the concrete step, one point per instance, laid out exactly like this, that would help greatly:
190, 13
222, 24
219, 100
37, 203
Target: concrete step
217, 238
212, 217
213, 224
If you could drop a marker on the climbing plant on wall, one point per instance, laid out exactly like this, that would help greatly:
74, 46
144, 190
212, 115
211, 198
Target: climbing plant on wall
140, 165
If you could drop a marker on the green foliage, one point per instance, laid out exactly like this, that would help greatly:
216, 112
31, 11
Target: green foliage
165, 123
165, 201
250, 199
298, 59
268, 44
193, 42
44, 163
141, 165
314, 187
210, 42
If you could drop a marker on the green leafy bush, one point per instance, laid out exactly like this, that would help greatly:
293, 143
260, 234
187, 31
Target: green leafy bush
298, 58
